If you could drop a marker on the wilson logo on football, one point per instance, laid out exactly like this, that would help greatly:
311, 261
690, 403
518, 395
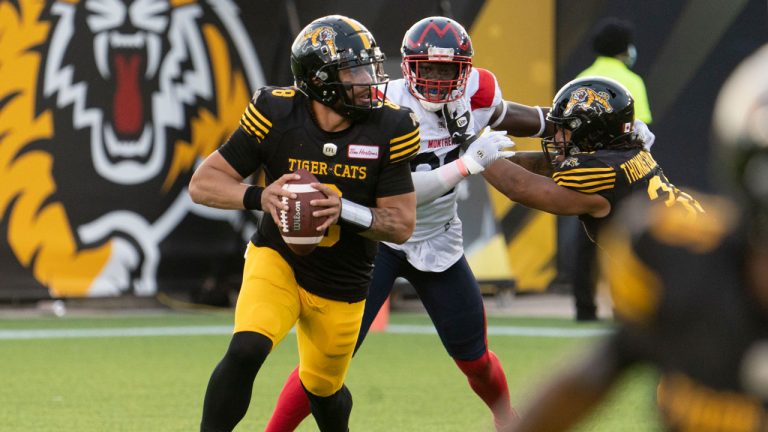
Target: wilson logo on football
298, 226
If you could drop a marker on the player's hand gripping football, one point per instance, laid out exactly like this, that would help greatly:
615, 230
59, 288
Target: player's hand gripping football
489, 146
332, 206
271, 198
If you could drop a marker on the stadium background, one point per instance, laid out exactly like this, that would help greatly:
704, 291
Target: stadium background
69, 228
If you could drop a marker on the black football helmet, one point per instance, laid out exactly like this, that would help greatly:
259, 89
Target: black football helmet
335, 60
599, 112
436, 39
741, 139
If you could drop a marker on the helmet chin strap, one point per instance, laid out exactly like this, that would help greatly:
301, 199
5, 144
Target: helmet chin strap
431, 106
428, 106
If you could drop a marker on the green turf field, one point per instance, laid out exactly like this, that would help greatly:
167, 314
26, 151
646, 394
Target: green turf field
91, 379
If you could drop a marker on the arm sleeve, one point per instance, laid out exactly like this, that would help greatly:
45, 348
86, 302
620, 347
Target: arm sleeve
433, 184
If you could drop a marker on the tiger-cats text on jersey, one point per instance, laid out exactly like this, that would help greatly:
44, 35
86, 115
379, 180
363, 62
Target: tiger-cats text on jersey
367, 161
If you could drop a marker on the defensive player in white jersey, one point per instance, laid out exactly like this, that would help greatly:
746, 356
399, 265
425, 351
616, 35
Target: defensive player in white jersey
441, 87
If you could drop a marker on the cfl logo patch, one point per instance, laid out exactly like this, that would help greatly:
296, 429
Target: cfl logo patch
329, 149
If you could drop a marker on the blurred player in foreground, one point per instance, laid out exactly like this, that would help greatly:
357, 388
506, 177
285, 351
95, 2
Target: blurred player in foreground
335, 124
453, 102
692, 292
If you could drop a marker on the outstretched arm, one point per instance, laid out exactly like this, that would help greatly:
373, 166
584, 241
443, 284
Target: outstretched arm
533, 161
521, 120
542, 193
482, 152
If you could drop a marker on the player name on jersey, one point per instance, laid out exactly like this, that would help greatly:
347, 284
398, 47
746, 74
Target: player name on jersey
639, 166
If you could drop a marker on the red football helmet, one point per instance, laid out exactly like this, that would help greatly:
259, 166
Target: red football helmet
437, 59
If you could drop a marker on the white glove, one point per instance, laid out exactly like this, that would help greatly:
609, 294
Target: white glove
644, 134
484, 150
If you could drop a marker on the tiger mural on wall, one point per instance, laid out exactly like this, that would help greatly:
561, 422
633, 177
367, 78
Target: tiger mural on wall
105, 108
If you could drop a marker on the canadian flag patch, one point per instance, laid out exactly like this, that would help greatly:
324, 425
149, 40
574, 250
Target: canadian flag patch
359, 151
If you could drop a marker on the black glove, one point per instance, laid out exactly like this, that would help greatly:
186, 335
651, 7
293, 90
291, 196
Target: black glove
458, 119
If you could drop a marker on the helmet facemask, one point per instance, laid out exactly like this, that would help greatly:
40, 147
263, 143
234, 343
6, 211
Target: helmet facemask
335, 61
560, 145
353, 86
437, 61
429, 79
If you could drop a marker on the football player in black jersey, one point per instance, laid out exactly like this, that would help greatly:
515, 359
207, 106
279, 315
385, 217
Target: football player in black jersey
597, 157
692, 292
336, 124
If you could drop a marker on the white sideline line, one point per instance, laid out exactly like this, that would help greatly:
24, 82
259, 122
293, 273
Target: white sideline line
220, 330
509, 331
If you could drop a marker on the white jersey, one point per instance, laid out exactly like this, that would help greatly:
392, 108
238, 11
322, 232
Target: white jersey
437, 241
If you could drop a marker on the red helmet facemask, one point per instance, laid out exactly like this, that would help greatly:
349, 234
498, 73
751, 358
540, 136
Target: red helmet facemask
437, 59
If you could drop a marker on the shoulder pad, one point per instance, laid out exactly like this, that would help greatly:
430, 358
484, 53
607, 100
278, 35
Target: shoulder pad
277, 102
405, 140
267, 105
485, 89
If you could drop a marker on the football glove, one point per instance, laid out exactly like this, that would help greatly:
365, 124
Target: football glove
644, 134
458, 118
485, 149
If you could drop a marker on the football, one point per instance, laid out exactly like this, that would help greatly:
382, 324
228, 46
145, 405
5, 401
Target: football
297, 225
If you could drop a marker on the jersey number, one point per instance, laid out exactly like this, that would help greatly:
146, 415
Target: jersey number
659, 185
333, 233
283, 92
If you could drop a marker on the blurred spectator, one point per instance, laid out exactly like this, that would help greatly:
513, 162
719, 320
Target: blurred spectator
613, 44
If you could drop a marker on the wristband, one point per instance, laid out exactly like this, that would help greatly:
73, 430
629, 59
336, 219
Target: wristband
252, 198
541, 121
501, 116
461, 167
356, 215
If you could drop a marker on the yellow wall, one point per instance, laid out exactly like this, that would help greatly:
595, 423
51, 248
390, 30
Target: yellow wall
515, 40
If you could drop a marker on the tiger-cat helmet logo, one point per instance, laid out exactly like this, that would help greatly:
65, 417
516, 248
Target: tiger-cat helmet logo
586, 99
114, 103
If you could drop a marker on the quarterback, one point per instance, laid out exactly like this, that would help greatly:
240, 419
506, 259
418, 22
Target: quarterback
454, 102
337, 67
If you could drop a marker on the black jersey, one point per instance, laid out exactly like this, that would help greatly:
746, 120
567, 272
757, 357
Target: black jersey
365, 162
616, 174
678, 284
